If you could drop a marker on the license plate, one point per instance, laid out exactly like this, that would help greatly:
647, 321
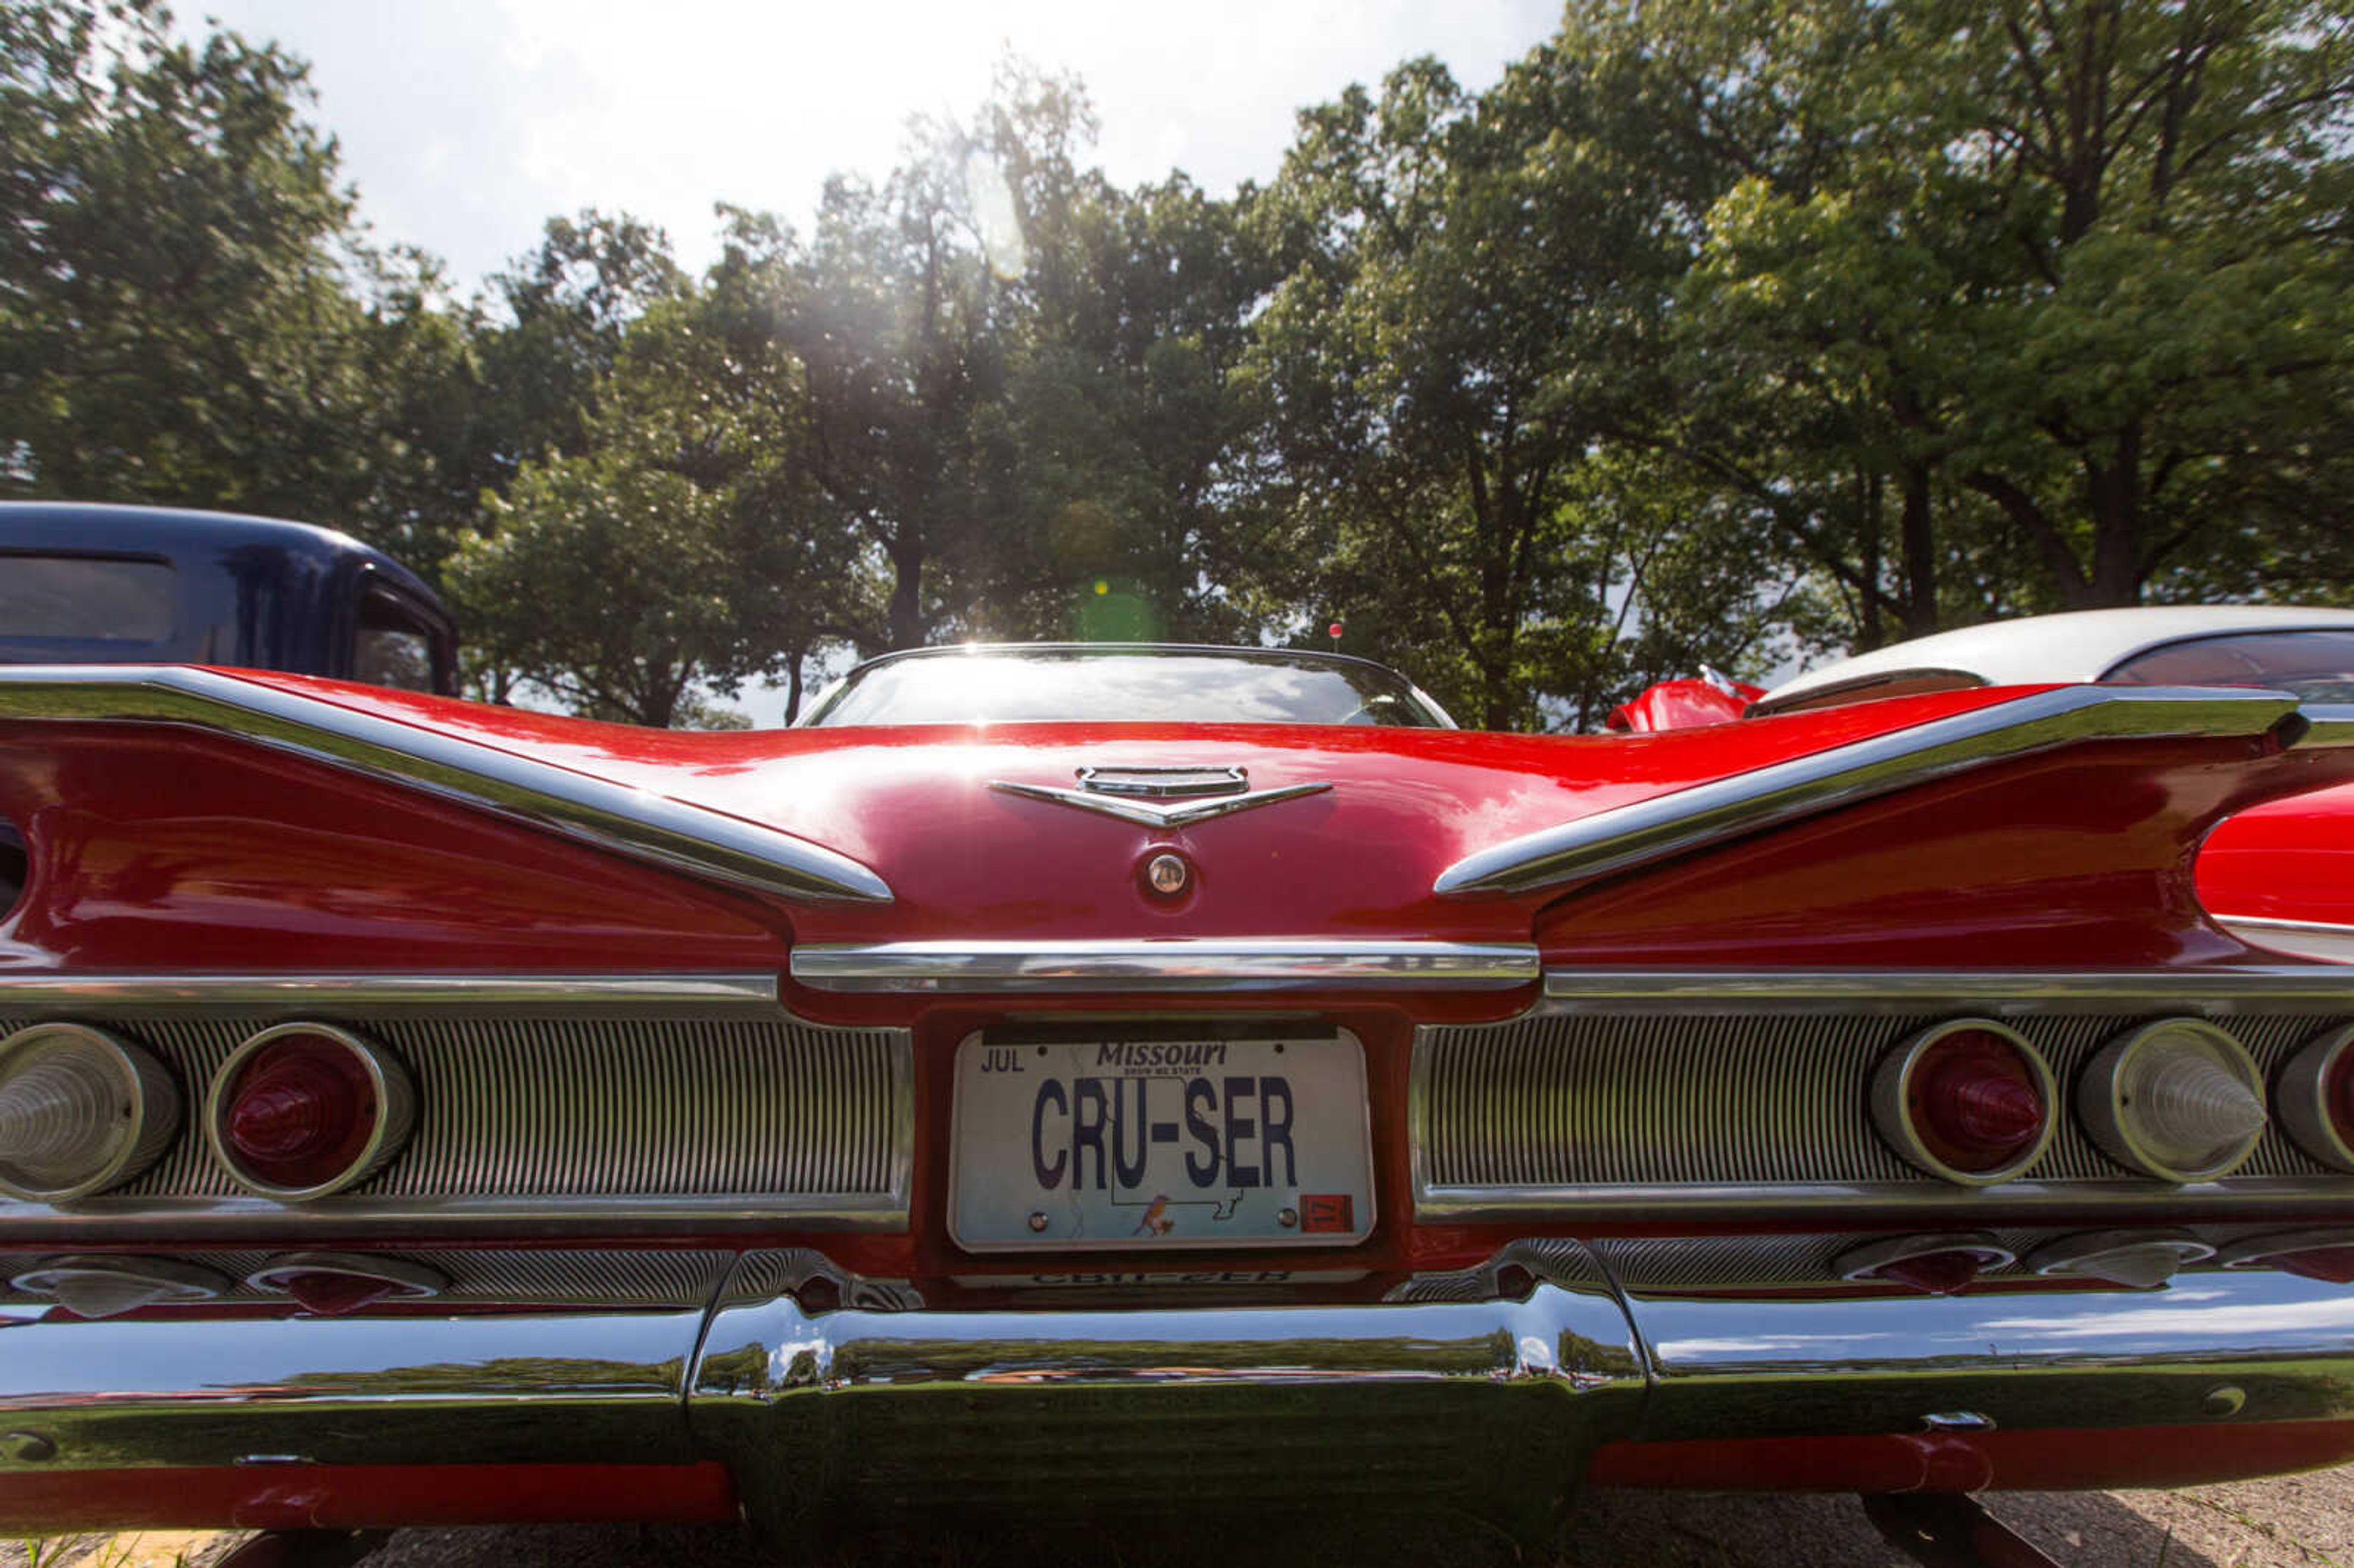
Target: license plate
1098, 1144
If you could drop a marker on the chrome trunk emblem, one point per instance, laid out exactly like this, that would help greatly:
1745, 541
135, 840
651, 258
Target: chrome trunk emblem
1163, 783
1162, 797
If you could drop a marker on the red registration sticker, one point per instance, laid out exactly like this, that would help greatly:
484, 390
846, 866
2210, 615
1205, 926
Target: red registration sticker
1327, 1212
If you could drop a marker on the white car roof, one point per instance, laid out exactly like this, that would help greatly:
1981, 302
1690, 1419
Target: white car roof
2084, 645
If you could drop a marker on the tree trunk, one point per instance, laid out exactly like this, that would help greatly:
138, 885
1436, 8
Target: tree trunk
793, 686
1919, 553
2114, 491
907, 611
1867, 630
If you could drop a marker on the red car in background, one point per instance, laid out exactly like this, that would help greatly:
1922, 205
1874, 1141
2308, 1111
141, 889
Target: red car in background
1101, 1078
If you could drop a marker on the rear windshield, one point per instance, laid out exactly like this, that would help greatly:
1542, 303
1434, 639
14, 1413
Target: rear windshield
993, 687
85, 598
2318, 666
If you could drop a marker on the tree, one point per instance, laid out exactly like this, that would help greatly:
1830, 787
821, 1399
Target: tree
187, 315
556, 317
662, 561
1473, 286
2070, 281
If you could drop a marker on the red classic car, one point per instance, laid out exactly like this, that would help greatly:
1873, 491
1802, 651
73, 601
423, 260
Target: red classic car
1051, 1072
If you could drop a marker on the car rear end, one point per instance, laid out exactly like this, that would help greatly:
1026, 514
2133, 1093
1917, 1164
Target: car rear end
418, 1113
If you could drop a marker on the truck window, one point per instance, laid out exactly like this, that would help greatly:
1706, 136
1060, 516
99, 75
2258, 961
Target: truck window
395, 646
88, 599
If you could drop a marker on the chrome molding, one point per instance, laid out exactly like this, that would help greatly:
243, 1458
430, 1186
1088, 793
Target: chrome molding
1221, 964
2322, 939
1706, 814
2214, 991
1660, 1112
615, 817
592, 995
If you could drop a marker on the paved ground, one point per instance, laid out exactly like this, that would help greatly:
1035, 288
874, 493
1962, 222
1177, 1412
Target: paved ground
2293, 1522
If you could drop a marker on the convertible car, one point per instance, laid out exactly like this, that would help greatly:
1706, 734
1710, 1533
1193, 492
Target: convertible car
1154, 1080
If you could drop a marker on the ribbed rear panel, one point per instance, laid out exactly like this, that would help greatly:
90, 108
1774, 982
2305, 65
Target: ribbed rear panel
585, 1108
1577, 1099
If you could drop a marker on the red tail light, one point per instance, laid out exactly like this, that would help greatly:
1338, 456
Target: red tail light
1971, 1101
305, 1110
2316, 1098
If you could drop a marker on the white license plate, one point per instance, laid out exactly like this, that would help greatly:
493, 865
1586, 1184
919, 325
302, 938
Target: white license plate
1112, 1143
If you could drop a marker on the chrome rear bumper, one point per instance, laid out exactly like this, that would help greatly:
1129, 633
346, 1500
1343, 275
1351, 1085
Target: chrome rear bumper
1495, 1405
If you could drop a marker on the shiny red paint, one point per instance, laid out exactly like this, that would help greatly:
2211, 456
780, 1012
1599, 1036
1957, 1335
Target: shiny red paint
160, 848
155, 847
360, 1497
2054, 1459
2285, 860
2079, 858
1682, 704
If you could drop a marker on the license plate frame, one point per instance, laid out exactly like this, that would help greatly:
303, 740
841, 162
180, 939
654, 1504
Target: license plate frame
1332, 1204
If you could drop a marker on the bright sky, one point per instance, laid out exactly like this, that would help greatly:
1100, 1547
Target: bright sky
466, 122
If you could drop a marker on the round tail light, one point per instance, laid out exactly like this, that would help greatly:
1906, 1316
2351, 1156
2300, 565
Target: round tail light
306, 1109
1969, 1100
2179, 1100
80, 1111
2316, 1098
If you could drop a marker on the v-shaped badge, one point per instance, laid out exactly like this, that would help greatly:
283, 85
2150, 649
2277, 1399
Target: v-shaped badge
1184, 795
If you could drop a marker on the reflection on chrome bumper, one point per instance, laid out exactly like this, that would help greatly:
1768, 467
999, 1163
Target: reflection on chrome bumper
1495, 1405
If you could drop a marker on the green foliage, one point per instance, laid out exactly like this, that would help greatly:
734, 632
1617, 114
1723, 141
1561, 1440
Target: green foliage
672, 555
185, 316
2071, 280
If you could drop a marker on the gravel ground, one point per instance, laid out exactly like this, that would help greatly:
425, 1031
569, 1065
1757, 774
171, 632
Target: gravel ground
2291, 1522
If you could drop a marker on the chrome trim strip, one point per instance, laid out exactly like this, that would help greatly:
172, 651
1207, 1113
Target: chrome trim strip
600, 995
1742, 1365
2003, 993
448, 1387
212, 1222
1210, 963
1705, 814
1922, 1202
2322, 939
614, 817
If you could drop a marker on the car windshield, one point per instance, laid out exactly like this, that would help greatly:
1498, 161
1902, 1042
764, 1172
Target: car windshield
1081, 685
2318, 666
